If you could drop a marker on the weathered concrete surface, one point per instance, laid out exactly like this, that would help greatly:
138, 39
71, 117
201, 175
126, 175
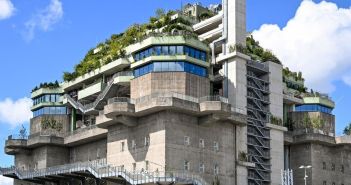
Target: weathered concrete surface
177, 82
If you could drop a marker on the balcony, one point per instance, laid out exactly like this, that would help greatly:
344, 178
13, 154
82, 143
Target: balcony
90, 90
108, 69
119, 106
42, 91
84, 135
181, 38
208, 24
126, 111
214, 104
45, 138
14, 145
212, 35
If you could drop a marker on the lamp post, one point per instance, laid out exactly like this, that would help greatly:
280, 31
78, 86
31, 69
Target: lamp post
305, 168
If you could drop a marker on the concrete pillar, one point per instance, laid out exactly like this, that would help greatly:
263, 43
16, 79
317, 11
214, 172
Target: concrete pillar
236, 16
277, 152
276, 89
237, 89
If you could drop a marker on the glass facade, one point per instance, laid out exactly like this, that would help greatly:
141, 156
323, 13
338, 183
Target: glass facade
50, 111
46, 98
170, 50
313, 108
170, 67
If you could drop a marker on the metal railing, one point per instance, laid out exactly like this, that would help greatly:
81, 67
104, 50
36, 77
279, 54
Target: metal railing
17, 137
100, 169
120, 100
258, 65
101, 96
213, 98
49, 133
80, 130
167, 95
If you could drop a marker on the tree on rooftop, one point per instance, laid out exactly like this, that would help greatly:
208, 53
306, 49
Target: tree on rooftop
160, 12
347, 129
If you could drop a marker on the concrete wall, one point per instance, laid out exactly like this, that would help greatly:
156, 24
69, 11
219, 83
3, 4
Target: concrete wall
36, 124
152, 127
42, 157
179, 125
167, 151
300, 155
338, 156
179, 82
89, 152
276, 89
237, 82
298, 119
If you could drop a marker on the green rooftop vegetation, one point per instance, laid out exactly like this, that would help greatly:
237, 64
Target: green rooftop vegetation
113, 48
255, 51
347, 130
50, 85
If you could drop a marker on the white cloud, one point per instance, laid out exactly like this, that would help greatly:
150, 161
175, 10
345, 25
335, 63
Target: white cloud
347, 79
6, 9
44, 19
316, 41
6, 181
16, 112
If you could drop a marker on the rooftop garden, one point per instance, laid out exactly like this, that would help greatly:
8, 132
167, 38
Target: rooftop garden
50, 85
255, 51
113, 48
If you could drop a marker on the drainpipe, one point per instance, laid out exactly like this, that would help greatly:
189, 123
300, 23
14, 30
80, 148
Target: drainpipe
73, 119
235, 158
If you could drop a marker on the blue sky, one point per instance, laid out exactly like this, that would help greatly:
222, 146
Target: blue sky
34, 49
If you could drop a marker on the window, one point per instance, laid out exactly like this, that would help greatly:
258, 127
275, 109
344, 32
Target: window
133, 144
202, 143
172, 50
170, 66
324, 182
165, 50
147, 141
122, 146
186, 140
333, 167
158, 50
313, 108
324, 166
202, 168
333, 183
216, 169
186, 165
342, 169
216, 146
180, 50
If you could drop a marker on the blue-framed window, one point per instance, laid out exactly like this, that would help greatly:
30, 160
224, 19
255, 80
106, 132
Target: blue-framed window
50, 111
178, 66
313, 108
47, 98
171, 50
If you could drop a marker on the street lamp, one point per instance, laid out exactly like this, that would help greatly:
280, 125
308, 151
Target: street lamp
305, 167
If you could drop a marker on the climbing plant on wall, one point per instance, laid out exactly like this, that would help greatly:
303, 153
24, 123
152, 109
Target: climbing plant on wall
51, 123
